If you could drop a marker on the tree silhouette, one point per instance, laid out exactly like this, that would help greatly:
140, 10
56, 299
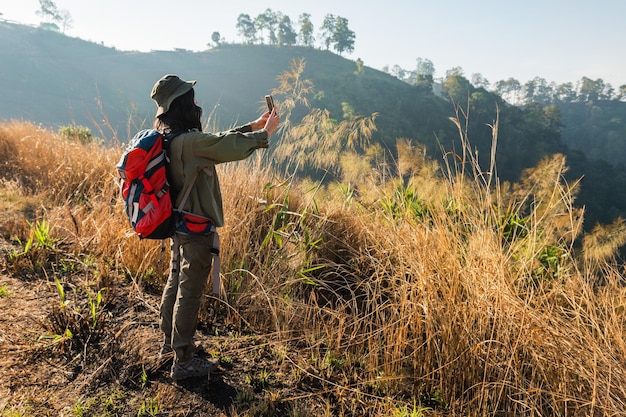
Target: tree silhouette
328, 29
277, 29
306, 30
425, 72
246, 28
343, 37
286, 34
456, 86
48, 9
590, 90
216, 38
267, 20
509, 90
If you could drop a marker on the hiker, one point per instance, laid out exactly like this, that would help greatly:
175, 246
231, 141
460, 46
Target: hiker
193, 155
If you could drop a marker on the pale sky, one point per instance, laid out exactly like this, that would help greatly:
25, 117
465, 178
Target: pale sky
558, 40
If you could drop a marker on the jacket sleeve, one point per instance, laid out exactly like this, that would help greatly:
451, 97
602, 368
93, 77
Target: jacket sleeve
232, 145
247, 128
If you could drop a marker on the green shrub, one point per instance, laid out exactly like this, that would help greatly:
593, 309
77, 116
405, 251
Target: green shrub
79, 133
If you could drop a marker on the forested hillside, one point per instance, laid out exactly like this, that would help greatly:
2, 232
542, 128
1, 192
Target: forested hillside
58, 81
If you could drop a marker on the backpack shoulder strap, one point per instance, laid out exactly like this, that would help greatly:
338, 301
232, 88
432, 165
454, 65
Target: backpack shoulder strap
207, 170
168, 137
186, 191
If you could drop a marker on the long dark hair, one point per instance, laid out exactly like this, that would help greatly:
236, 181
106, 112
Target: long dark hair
183, 114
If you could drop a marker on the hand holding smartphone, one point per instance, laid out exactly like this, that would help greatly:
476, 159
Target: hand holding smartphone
271, 123
269, 100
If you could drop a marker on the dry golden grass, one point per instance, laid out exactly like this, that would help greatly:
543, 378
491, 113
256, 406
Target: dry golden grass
75, 188
464, 298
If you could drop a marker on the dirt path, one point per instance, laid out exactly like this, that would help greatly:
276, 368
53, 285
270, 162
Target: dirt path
36, 378
121, 373
23, 310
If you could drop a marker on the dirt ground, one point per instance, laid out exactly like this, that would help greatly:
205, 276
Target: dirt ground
118, 372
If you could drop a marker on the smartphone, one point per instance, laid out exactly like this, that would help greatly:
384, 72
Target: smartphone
270, 103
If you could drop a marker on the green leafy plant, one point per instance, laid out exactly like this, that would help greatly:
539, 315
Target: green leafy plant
149, 407
54, 339
417, 410
264, 376
332, 363
550, 259
113, 404
513, 226
75, 323
347, 191
10, 411
41, 233
261, 381
144, 377
405, 203
4, 291
38, 252
78, 410
81, 408
81, 134
61, 292
94, 307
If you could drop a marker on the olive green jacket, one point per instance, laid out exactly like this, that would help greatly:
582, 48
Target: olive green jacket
193, 151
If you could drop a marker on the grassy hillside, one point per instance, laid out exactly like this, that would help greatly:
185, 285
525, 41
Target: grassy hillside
57, 80
434, 293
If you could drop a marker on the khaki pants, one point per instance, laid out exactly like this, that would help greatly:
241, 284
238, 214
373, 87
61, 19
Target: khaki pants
183, 293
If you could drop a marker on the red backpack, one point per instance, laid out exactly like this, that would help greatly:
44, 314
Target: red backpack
148, 199
145, 188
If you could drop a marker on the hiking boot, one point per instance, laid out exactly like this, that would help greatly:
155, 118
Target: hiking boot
196, 367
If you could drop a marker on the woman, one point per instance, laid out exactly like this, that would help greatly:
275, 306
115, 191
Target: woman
193, 155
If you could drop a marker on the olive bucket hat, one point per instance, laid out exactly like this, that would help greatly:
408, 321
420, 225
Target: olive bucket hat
167, 89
